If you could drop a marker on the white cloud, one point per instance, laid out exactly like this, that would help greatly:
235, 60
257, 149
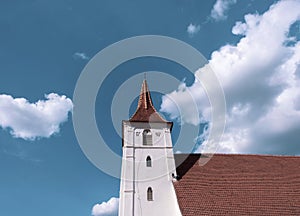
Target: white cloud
175, 104
220, 9
261, 81
192, 29
81, 55
109, 208
32, 120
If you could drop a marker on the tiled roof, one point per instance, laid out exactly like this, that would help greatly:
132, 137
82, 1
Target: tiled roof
145, 111
238, 185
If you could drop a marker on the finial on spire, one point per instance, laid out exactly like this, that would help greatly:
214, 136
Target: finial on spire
145, 77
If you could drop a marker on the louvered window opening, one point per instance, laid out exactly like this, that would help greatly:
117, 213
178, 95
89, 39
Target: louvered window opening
147, 137
149, 194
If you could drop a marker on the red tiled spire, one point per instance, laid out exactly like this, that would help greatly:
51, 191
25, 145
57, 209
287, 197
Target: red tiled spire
145, 100
145, 111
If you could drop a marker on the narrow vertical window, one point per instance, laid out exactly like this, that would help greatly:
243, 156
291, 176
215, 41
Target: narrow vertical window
149, 194
148, 162
147, 137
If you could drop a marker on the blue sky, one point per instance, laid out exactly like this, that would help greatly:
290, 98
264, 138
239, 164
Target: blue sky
252, 46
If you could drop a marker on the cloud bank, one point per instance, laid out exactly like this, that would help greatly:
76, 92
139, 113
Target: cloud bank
109, 208
220, 8
33, 120
261, 80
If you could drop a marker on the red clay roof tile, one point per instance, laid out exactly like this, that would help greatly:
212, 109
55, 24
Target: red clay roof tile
145, 111
238, 185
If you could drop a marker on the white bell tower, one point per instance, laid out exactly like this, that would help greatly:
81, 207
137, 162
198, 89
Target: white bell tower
148, 166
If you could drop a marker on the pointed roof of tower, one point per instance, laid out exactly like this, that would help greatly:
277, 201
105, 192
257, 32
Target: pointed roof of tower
145, 111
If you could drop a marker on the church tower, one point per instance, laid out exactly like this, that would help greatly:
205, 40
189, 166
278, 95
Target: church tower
148, 166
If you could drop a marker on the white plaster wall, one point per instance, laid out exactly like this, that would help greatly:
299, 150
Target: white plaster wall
137, 177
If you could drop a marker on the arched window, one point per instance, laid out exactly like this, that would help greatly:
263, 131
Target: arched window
147, 137
149, 194
148, 162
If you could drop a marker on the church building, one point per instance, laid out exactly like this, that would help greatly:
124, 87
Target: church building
155, 181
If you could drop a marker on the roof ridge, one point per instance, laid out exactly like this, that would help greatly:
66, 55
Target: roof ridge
238, 154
